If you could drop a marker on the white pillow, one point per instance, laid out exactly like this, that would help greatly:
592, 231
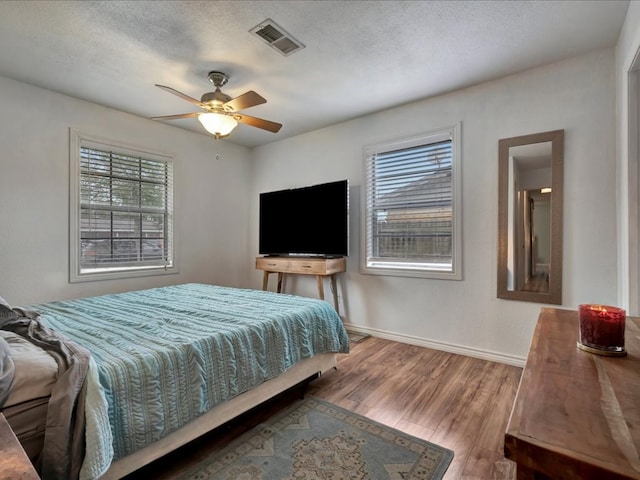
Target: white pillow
35, 369
7, 369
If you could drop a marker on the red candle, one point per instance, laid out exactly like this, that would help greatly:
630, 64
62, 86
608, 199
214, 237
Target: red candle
602, 328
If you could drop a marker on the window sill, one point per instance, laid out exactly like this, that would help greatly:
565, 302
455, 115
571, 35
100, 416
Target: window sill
110, 274
411, 273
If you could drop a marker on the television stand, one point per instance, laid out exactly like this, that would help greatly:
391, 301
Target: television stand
321, 267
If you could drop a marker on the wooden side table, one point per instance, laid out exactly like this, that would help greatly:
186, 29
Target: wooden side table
576, 414
14, 462
320, 267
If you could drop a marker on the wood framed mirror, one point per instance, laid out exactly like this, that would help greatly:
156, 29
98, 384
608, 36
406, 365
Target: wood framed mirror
530, 193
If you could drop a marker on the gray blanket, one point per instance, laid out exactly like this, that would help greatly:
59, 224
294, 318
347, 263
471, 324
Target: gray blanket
63, 449
7, 369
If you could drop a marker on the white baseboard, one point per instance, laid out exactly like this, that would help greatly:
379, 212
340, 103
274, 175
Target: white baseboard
435, 345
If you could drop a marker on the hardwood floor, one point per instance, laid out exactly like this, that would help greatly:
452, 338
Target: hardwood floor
458, 402
538, 283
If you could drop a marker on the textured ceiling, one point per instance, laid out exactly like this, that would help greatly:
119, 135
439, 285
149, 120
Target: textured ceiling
360, 56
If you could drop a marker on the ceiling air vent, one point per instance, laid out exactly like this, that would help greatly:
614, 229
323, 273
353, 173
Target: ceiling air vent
277, 37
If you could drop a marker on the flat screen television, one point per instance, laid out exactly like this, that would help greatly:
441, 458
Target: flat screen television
307, 221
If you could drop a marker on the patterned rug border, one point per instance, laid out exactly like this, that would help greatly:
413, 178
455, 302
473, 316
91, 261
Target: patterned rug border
353, 419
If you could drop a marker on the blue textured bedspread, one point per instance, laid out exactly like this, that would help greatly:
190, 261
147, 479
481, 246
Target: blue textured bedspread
166, 355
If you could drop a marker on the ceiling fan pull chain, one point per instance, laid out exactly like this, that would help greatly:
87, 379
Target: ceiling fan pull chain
217, 147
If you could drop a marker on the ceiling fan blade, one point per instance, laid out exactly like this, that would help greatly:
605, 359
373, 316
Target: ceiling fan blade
180, 94
258, 122
246, 100
176, 117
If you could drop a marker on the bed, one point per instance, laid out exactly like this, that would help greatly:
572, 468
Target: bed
150, 370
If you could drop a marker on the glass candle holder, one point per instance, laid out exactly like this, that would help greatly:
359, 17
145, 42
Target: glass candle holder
602, 329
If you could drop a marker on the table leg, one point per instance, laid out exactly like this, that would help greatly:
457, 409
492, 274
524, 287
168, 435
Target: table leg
265, 280
320, 287
334, 289
280, 275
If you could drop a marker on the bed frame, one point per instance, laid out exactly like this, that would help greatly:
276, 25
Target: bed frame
221, 414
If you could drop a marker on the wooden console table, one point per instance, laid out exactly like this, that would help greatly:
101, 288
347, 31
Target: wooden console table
14, 462
320, 267
576, 414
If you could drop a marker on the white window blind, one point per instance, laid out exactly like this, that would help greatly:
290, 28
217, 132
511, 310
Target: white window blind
124, 211
410, 207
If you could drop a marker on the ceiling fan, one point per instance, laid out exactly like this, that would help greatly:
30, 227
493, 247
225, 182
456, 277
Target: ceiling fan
221, 113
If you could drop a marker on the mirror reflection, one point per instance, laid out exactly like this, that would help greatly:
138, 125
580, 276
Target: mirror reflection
530, 218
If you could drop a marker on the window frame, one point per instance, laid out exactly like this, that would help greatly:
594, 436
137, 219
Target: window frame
416, 269
77, 140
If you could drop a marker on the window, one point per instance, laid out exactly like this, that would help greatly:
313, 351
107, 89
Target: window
412, 207
121, 211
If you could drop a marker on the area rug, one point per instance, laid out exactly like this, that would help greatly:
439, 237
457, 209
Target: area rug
316, 440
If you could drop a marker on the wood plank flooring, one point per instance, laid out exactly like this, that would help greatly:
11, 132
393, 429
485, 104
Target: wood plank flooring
458, 402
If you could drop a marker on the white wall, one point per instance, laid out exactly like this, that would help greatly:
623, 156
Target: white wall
575, 95
627, 163
212, 196
217, 201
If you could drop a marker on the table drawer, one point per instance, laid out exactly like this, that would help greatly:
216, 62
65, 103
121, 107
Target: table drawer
272, 264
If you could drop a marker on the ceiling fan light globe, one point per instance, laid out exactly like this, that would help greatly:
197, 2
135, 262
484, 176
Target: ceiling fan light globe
218, 124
